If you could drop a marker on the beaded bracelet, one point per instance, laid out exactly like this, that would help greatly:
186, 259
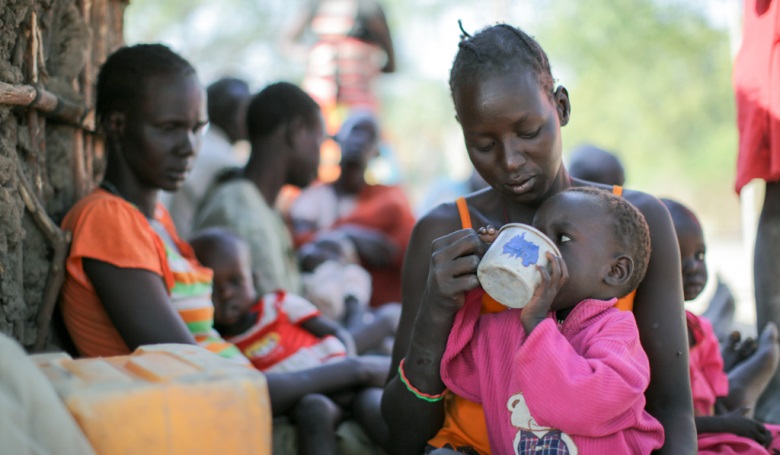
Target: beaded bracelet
421, 395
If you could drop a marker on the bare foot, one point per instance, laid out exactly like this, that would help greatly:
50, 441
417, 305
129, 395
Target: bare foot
736, 350
749, 379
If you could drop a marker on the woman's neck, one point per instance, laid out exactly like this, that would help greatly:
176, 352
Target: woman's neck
145, 199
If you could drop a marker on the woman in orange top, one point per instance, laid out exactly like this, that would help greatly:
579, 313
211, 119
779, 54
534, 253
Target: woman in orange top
511, 115
130, 280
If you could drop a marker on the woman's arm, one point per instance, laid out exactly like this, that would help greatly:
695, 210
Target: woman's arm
137, 303
436, 274
658, 308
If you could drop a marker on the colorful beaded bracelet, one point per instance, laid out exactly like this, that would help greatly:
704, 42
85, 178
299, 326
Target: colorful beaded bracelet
421, 395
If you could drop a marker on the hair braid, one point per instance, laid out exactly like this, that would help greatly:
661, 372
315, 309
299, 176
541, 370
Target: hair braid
122, 78
498, 49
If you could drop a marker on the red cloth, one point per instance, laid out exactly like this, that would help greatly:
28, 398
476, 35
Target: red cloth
385, 209
709, 381
277, 342
756, 70
730, 444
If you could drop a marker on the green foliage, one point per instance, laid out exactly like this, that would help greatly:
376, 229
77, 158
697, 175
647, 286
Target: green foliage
650, 80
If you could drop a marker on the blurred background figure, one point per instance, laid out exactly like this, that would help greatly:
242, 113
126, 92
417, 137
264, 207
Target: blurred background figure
376, 218
227, 101
352, 47
588, 162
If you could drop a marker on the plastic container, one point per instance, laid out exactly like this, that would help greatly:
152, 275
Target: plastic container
164, 399
508, 271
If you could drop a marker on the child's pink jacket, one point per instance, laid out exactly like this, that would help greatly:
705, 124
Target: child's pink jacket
585, 378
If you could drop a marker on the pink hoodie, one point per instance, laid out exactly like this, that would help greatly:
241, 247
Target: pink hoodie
580, 383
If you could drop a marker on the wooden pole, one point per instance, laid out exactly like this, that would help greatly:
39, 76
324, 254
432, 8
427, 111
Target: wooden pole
60, 241
49, 103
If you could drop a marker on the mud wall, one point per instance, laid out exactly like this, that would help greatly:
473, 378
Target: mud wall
57, 45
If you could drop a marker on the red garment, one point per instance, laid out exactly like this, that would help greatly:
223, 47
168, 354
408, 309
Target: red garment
709, 381
344, 63
385, 209
756, 70
277, 342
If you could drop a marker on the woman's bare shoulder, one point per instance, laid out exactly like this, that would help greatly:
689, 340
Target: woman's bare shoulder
439, 221
652, 208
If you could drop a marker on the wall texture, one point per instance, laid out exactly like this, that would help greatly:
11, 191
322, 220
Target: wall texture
58, 45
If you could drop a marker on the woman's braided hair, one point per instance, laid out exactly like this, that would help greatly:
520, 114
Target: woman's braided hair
497, 49
123, 76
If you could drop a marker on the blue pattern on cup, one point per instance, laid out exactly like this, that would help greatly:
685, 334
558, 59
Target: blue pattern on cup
521, 248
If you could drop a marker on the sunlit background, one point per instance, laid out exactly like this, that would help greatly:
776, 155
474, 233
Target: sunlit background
649, 80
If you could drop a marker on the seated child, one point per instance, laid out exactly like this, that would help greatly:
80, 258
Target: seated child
566, 372
281, 332
723, 399
340, 288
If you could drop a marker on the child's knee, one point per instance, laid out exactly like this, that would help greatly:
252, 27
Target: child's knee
315, 407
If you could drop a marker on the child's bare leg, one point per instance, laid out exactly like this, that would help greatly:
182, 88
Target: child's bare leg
766, 263
383, 324
366, 410
286, 389
316, 417
748, 379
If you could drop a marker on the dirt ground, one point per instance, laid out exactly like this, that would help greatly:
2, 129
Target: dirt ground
75, 37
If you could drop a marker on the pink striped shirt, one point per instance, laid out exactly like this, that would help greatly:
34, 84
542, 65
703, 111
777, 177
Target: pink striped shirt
585, 377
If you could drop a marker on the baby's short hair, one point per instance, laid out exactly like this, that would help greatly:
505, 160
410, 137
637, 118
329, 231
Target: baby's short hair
205, 242
629, 227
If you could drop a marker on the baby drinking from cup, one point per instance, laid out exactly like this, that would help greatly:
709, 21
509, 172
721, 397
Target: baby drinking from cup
567, 370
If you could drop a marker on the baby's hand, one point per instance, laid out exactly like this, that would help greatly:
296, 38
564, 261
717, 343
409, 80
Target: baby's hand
487, 234
552, 281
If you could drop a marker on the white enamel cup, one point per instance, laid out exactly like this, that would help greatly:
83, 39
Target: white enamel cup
508, 271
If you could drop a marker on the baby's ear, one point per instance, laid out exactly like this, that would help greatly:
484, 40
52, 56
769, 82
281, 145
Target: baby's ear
620, 271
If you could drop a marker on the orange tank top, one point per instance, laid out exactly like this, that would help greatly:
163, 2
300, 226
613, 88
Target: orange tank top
464, 421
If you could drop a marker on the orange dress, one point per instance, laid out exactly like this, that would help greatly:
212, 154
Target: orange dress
109, 229
464, 421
